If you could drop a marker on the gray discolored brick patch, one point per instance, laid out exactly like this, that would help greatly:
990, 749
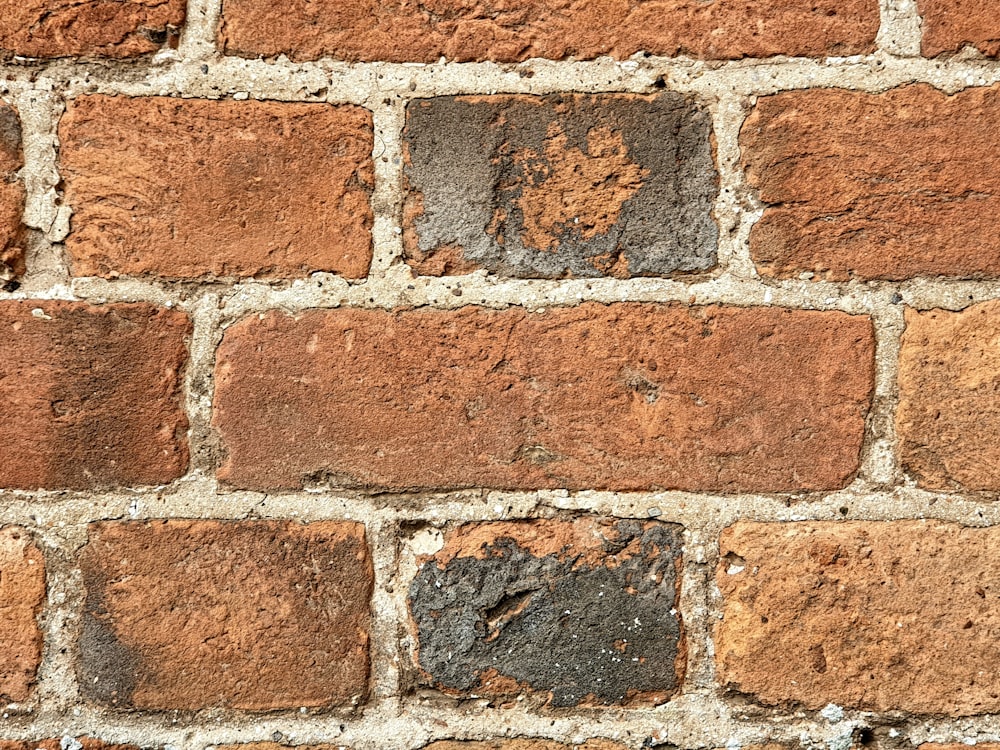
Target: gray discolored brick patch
584, 611
560, 186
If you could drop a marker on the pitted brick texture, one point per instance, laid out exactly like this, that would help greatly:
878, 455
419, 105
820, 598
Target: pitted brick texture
886, 616
11, 195
397, 31
244, 614
950, 25
627, 396
557, 186
63, 743
583, 610
949, 406
22, 594
876, 186
192, 188
91, 395
100, 28
524, 745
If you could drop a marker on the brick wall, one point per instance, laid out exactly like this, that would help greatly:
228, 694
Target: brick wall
500, 376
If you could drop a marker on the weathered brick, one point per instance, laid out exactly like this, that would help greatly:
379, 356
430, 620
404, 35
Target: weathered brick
86, 743
397, 31
897, 615
252, 614
876, 186
583, 611
101, 28
191, 188
950, 25
22, 594
564, 185
626, 396
523, 745
11, 195
949, 407
91, 394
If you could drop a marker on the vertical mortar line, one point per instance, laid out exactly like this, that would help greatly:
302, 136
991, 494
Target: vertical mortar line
900, 29
200, 25
696, 607
44, 216
732, 212
382, 531
206, 316
879, 458
389, 115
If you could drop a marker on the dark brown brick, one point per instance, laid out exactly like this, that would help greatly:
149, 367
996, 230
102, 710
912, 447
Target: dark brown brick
11, 195
252, 614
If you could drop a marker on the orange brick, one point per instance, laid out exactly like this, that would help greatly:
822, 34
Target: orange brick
950, 25
11, 195
22, 592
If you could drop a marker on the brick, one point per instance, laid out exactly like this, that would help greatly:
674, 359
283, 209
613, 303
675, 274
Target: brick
949, 408
876, 616
523, 745
250, 615
86, 743
626, 396
397, 31
186, 188
11, 195
102, 28
91, 395
950, 25
22, 594
557, 186
876, 186
581, 611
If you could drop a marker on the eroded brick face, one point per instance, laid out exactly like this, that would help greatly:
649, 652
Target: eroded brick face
879, 616
11, 195
628, 396
86, 743
583, 611
187, 188
876, 186
524, 745
242, 614
950, 25
102, 28
397, 31
22, 594
91, 395
949, 407
566, 185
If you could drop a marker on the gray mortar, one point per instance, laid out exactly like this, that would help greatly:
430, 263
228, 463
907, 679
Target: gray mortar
700, 716
461, 159
552, 624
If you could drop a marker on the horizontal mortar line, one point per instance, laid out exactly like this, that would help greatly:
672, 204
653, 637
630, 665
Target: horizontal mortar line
367, 82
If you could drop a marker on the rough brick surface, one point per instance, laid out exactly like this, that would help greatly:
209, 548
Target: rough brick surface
582, 610
565, 185
397, 31
86, 743
91, 395
876, 186
627, 396
101, 28
22, 594
878, 616
189, 188
11, 195
949, 405
524, 745
252, 615
950, 25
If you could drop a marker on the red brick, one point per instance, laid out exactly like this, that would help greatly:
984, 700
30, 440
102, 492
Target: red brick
949, 408
628, 396
397, 31
887, 616
91, 395
950, 25
87, 743
192, 188
11, 195
876, 186
524, 745
101, 28
252, 614
22, 593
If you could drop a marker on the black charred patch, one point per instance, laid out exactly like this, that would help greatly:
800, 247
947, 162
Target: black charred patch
107, 668
555, 624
